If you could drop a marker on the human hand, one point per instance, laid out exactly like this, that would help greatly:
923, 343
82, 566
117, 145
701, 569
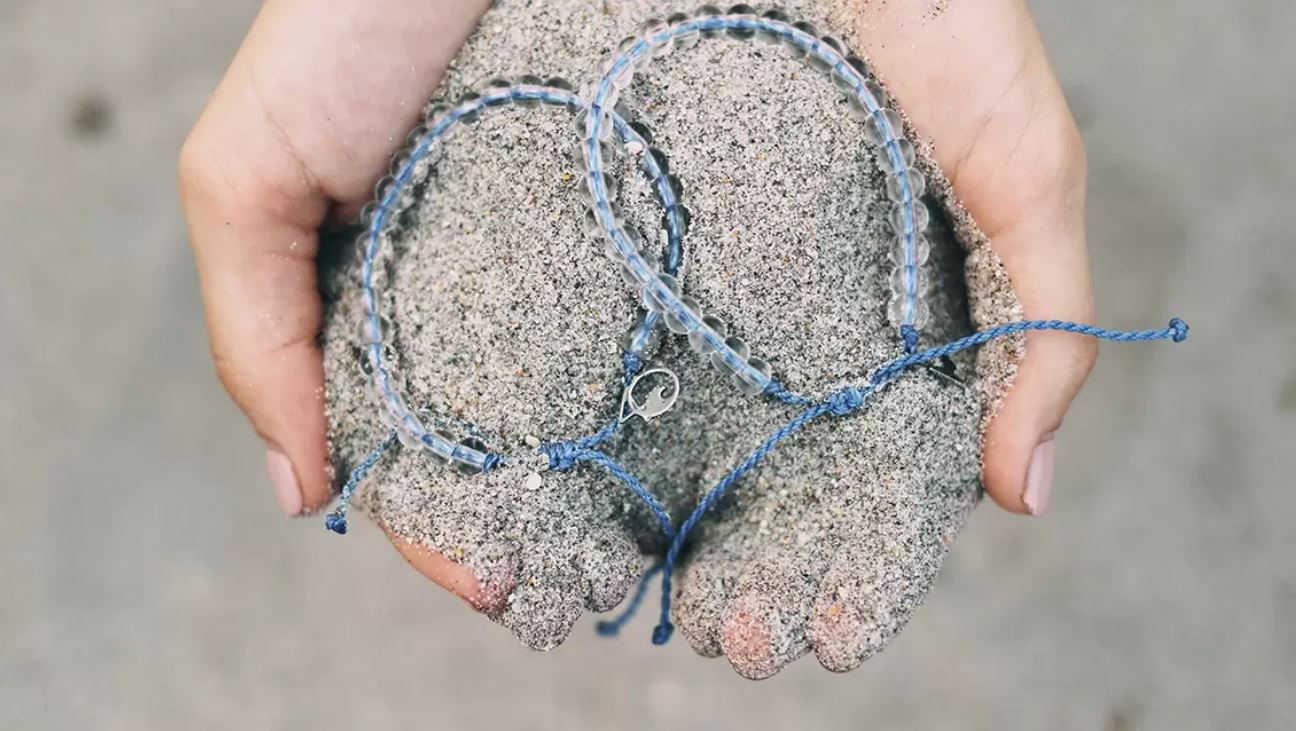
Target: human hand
303, 123
975, 80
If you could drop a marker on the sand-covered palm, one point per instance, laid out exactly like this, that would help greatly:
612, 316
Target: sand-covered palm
315, 102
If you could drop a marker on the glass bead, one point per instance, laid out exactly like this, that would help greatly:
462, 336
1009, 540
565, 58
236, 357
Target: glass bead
436, 113
639, 341
398, 162
362, 359
592, 224
795, 48
899, 250
408, 437
472, 116
676, 324
883, 126
859, 65
530, 81
609, 183
900, 277
465, 463
636, 237
684, 221
584, 123
642, 130
385, 330
697, 338
441, 444
415, 136
673, 187
655, 162
383, 187
498, 83
921, 217
746, 11
897, 310
917, 185
708, 11
685, 40
904, 156
651, 30
739, 349
817, 60
752, 384
558, 82
366, 217
767, 36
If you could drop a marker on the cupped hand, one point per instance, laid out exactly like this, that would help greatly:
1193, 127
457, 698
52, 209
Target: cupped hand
302, 125
320, 94
975, 80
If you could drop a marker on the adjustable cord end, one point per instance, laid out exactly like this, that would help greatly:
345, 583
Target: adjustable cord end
336, 522
1178, 330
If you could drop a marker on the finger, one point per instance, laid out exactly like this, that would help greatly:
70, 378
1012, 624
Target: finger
977, 82
303, 121
488, 596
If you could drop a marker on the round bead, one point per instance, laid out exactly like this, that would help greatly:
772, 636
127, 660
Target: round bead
900, 279
768, 36
640, 340
677, 324
900, 250
652, 31
920, 217
896, 156
753, 382
883, 126
697, 338
704, 12
465, 463
745, 11
899, 308
795, 48
682, 40
914, 180
470, 117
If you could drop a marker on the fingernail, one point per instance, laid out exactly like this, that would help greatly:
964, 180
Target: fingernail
1039, 477
284, 479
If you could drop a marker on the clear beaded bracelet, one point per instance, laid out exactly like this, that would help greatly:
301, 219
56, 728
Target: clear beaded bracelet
395, 192
600, 123
707, 333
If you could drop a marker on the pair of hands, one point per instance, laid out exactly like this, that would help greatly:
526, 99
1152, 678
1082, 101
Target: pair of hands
318, 97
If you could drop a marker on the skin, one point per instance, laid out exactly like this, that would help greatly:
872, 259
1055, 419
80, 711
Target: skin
308, 114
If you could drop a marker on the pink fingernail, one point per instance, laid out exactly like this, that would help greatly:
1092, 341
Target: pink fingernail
1039, 477
284, 478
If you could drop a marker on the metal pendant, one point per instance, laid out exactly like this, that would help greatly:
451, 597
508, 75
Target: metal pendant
656, 402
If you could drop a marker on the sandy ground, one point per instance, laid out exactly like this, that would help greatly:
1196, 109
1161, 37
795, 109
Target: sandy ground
147, 582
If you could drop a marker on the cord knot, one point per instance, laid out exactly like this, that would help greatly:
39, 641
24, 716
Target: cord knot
633, 363
909, 334
1178, 330
492, 461
562, 455
662, 633
845, 401
336, 522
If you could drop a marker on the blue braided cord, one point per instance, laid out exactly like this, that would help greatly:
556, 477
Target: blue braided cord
396, 407
648, 279
851, 398
336, 518
611, 627
662, 633
566, 455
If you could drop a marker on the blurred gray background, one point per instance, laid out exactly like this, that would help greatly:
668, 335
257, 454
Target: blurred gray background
146, 580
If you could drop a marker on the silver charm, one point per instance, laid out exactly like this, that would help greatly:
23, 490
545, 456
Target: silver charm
657, 402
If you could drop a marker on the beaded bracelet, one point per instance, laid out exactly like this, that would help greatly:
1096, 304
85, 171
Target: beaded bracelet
707, 333
395, 192
599, 123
